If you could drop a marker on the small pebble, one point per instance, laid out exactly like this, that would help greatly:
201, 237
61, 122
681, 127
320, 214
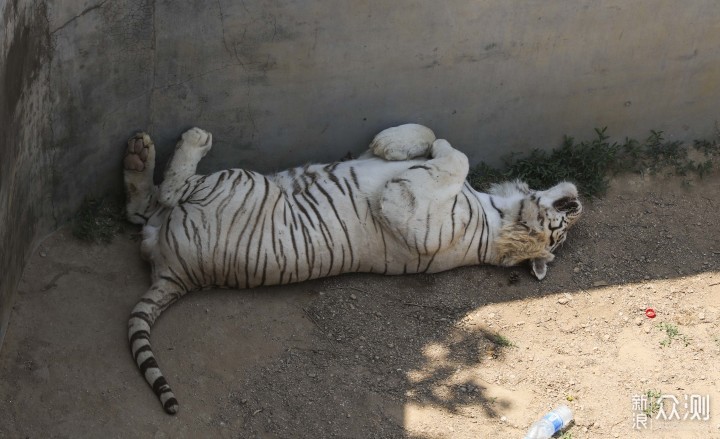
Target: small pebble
647, 329
43, 254
563, 300
701, 316
638, 321
353, 297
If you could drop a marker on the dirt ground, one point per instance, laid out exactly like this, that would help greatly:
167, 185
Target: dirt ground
477, 352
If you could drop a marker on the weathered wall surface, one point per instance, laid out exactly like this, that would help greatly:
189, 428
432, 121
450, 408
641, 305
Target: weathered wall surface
24, 141
281, 82
284, 81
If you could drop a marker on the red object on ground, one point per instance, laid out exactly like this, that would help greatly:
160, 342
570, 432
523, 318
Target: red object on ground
650, 313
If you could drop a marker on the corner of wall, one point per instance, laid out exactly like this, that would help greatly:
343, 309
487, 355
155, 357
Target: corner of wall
24, 141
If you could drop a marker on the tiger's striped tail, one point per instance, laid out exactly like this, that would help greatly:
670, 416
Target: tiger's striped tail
160, 296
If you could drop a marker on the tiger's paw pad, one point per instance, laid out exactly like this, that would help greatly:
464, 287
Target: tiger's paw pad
139, 148
197, 138
403, 142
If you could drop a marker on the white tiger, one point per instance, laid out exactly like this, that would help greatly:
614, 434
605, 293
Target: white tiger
404, 207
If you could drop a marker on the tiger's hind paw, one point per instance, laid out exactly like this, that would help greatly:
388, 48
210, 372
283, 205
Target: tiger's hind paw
140, 153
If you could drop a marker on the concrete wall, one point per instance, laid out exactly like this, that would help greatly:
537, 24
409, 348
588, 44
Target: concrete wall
280, 82
24, 141
284, 81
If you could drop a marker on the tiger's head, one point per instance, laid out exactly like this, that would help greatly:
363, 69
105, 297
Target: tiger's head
534, 223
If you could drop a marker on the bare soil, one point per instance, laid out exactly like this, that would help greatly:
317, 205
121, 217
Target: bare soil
477, 352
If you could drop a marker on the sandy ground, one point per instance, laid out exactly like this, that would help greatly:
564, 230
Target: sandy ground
367, 356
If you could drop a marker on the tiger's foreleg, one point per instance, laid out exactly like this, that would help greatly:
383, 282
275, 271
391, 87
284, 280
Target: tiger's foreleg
191, 148
418, 202
404, 142
162, 294
140, 190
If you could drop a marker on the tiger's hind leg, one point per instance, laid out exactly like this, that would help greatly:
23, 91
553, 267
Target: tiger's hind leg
140, 190
191, 148
404, 142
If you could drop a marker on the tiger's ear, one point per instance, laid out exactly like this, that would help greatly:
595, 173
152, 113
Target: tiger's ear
539, 266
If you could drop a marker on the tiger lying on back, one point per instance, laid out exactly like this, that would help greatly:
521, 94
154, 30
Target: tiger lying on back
404, 207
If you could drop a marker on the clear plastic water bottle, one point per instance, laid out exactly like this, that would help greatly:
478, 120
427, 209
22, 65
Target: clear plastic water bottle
551, 423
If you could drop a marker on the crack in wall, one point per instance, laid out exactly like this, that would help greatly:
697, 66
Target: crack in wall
84, 12
234, 51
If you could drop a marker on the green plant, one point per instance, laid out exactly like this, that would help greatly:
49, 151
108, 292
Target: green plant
590, 163
566, 435
483, 175
500, 341
653, 404
585, 163
671, 333
707, 147
98, 220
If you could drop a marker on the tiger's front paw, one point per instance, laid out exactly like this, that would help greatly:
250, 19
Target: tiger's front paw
197, 139
403, 142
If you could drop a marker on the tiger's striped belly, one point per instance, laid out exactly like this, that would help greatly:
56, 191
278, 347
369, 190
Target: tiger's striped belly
239, 229
246, 231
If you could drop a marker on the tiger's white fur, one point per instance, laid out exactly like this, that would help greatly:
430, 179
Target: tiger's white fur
404, 207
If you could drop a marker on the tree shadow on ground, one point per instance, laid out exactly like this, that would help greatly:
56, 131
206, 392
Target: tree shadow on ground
397, 341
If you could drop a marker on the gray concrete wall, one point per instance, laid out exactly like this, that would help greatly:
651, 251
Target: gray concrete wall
284, 81
281, 82
24, 141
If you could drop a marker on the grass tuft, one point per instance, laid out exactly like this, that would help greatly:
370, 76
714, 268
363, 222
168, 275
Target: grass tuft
500, 341
671, 333
589, 164
98, 221
653, 406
